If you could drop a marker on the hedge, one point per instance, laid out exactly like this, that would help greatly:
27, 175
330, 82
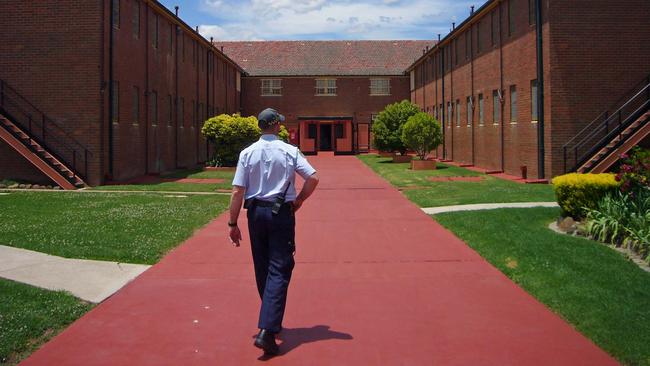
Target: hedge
576, 193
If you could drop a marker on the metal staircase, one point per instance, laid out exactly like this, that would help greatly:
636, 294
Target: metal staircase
42, 141
598, 145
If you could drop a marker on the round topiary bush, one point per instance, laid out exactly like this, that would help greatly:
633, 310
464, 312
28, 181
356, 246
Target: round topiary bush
422, 133
387, 127
230, 134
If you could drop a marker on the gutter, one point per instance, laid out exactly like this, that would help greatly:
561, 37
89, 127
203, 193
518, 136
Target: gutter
540, 91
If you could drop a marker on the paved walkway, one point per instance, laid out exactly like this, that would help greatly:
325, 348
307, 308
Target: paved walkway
90, 280
377, 282
486, 206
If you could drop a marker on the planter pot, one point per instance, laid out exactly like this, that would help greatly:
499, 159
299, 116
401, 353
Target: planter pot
423, 164
385, 154
402, 158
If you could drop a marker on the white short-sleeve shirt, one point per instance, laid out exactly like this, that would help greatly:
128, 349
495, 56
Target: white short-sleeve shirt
265, 167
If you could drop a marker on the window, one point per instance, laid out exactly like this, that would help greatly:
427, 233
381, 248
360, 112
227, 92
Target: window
496, 107
194, 121
481, 109
534, 108
456, 51
468, 38
136, 19
136, 105
115, 101
478, 37
339, 131
154, 37
312, 131
171, 38
493, 28
511, 17
181, 113
116, 13
470, 110
449, 114
170, 110
532, 12
271, 86
201, 114
195, 60
457, 113
513, 104
154, 108
183, 46
325, 86
380, 86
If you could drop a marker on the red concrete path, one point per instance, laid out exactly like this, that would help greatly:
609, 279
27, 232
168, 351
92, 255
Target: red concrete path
377, 283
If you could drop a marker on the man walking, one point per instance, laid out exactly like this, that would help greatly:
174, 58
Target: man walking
265, 180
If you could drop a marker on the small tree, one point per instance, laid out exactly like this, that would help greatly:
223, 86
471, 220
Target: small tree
387, 127
284, 134
422, 133
230, 134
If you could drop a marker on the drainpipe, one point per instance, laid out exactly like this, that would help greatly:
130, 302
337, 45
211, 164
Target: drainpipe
176, 99
471, 48
102, 96
110, 92
540, 91
444, 120
501, 104
146, 92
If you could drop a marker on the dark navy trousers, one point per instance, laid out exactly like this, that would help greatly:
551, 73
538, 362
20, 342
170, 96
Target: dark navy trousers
272, 244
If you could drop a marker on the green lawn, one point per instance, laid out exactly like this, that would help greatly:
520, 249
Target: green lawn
426, 193
179, 187
593, 287
133, 228
30, 316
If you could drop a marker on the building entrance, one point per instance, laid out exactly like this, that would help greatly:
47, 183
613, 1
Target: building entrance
325, 137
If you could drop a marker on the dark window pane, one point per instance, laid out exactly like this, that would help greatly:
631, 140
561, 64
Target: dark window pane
312, 131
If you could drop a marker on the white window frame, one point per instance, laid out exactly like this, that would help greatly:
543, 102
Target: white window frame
325, 87
273, 88
379, 86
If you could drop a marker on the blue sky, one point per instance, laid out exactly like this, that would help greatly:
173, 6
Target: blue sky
322, 19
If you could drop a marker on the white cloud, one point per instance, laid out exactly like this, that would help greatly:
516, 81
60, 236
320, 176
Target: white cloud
327, 19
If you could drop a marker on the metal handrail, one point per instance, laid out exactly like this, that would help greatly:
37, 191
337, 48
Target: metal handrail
618, 120
590, 125
53, 136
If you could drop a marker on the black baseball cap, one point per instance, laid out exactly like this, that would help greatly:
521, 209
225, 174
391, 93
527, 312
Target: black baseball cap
269, 117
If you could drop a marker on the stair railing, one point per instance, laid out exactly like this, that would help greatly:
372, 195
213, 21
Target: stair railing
599, 132
45, 131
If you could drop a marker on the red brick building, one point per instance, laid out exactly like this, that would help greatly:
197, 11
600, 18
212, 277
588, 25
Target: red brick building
329, 91
484, 79
109, 89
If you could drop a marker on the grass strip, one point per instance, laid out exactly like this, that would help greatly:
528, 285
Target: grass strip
598, 291
30, 316
418, 188
122, 227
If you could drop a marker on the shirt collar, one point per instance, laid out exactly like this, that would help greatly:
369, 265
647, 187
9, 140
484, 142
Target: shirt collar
269, 137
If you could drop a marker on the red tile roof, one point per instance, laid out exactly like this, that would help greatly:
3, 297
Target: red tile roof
324, 58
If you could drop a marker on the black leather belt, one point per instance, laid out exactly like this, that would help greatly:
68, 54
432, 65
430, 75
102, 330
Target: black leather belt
261, 203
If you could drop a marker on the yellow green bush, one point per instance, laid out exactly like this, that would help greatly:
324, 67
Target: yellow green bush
576, 193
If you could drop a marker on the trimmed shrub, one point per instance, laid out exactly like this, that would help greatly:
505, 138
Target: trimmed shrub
387, 127
422, 133
230, 134
576, 193
284, 134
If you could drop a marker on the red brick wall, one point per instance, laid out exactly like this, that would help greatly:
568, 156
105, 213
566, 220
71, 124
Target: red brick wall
15, 167
182, 67
599, 50
475, 65
298, 98
59, 60
50, 53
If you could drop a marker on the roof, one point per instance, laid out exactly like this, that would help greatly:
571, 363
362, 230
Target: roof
324, 58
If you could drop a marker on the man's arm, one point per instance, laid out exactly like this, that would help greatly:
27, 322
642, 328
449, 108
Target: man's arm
307, 189
236, 201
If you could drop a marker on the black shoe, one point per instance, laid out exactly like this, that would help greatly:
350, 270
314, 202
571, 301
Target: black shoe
266, 341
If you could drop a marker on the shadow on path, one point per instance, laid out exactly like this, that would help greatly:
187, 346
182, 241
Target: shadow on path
294, 337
